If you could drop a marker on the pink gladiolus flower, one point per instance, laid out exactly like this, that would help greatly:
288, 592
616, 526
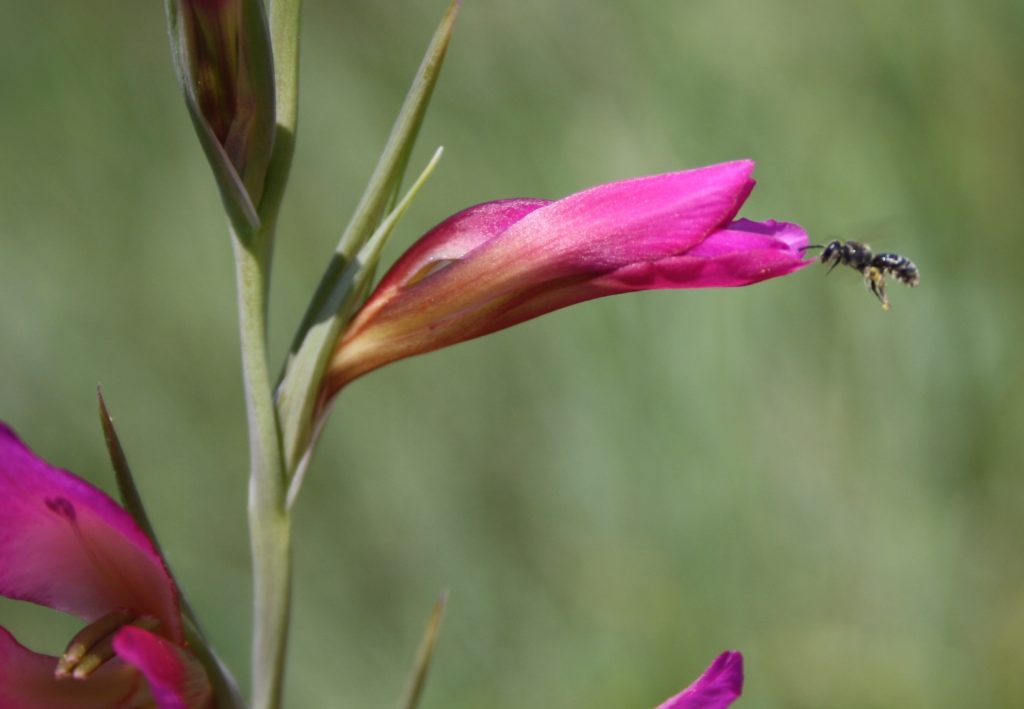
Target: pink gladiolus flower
67, 545
717, 688
500, 263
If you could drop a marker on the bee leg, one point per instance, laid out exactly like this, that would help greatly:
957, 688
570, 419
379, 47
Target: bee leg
876, 282
835, 263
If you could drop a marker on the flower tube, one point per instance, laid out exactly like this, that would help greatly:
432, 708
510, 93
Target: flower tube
497, 264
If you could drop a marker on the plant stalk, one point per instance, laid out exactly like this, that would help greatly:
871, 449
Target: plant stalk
269, 522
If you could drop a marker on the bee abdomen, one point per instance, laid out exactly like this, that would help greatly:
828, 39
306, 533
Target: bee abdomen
901, 268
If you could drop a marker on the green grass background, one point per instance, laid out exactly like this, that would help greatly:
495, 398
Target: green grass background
613, 493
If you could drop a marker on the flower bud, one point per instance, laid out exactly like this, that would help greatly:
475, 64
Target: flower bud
224, 63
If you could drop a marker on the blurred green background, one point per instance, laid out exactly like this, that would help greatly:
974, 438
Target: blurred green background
613, 493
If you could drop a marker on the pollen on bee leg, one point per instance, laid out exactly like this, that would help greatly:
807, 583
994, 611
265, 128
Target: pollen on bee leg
93, 645
876, 283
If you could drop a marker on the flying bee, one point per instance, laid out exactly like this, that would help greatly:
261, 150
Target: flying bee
874, 267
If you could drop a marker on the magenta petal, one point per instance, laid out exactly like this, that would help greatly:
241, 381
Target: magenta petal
746, 252
176, 678
645, 218
792, 236
27, 682
717, 688
456, 236
67, 545
743, 253
580, 236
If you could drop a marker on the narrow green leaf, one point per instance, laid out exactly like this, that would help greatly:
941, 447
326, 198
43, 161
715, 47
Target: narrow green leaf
297, 395
227, 691
383, 187
421, 665
125, 482
387, 177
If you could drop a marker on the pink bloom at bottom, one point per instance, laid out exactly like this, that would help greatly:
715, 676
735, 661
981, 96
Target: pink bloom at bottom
66, 545
500, 263
717, 688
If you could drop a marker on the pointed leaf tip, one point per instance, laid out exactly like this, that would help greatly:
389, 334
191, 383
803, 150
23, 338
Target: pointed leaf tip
126, 487
421, 665
386, 180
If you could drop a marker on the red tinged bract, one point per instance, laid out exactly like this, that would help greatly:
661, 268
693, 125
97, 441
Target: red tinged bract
499, 263
66, 545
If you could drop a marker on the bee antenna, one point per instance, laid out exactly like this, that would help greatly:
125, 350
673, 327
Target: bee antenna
811, 246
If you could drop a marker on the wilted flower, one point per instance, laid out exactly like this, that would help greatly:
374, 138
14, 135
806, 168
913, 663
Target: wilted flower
66, 545
717, 688
500, 263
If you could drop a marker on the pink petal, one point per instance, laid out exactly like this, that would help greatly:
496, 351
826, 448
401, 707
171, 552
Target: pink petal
586, 234
455, 237
597, 229
67, 545
743, 253
176, 678
610, 225
717, 688
27, 682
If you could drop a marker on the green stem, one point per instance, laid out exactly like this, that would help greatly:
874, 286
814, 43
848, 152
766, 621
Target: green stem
269, 522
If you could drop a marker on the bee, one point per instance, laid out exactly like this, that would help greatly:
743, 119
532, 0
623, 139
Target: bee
874, 267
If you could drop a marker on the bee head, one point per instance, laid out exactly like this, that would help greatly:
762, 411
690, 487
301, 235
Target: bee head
831, 248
